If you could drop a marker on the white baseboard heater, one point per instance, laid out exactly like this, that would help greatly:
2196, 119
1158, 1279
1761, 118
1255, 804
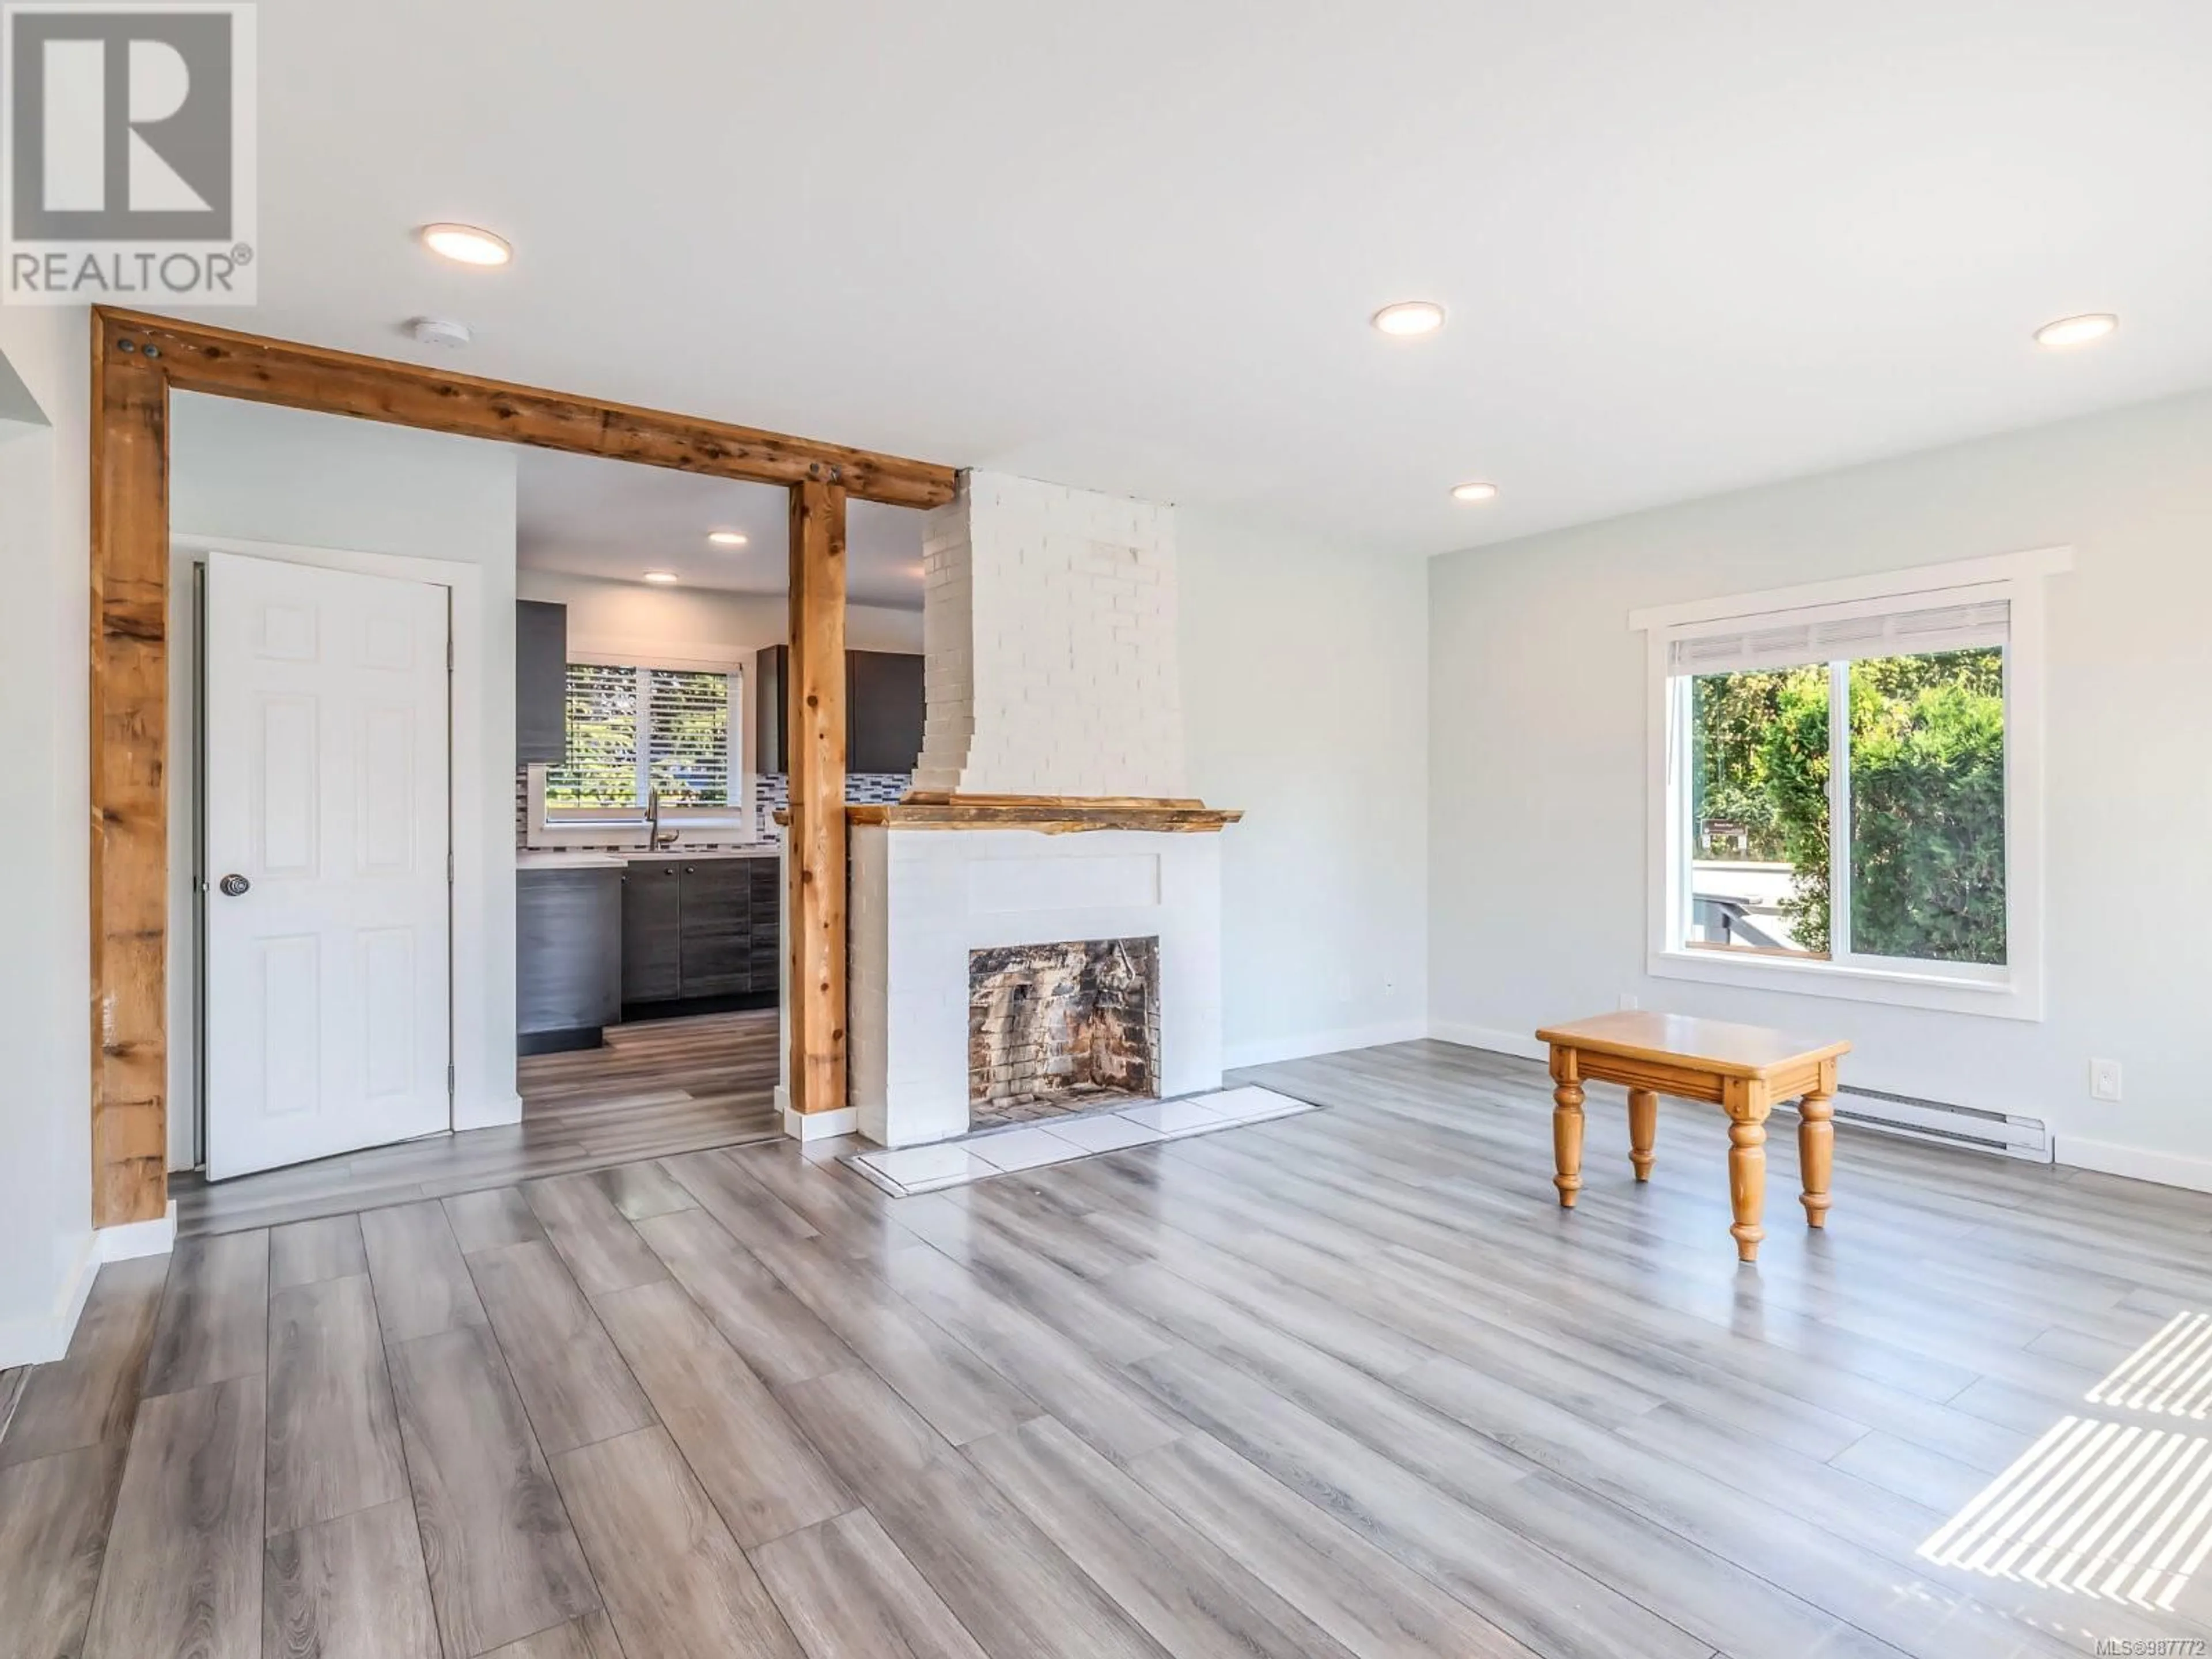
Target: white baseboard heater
1945, 1124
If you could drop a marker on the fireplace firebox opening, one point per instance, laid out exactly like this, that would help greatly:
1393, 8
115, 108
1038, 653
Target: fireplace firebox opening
1061, 1028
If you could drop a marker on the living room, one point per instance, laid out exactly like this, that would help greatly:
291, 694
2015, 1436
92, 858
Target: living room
1528, 992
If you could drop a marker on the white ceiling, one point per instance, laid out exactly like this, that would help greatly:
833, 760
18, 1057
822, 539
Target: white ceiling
1684, 248
617, 520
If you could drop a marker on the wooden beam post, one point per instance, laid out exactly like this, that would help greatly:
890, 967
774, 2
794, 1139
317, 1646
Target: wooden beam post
130, 791
814, 854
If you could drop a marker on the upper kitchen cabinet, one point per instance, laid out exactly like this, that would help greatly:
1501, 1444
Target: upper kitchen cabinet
771, 668
882, 709
541, 674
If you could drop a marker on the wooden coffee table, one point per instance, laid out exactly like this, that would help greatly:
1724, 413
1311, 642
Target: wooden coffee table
1742, 1069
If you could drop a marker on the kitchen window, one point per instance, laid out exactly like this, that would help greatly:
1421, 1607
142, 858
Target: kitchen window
646, 738
635, 732
1847, 797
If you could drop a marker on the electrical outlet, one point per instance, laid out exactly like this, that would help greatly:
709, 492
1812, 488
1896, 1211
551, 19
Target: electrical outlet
2103, 1079
1628, 1002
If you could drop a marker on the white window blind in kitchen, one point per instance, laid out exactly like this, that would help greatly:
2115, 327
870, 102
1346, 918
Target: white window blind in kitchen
1913, 625
687, 745
632, 731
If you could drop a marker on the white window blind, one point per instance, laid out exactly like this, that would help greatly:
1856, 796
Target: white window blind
1776, 642
633, 730
688, 736
601, 770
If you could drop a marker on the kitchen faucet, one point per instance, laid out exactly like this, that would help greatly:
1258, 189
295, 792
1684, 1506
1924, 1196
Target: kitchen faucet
653, 822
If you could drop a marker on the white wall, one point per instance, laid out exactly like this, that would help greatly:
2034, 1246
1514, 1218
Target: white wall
45, 1032
620, 614
1305, 700
1538, 779
253, 473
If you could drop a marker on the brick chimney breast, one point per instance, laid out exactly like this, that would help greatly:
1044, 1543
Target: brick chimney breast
1049, 633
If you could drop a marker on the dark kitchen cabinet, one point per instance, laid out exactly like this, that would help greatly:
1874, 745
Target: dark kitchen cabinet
771, 677
653, 932
883, 711
568, 937
700, 929
717, 928
766, 910
541, 682
884, 703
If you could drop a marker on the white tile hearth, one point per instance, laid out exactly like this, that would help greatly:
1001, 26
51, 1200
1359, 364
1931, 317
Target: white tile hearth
1247, 1105
1103, 1132
903, 1171
1021, 1149
1177, 1117
920, 1169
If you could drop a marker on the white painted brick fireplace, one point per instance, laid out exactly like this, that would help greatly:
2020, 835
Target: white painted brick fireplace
923, 899
1048, 629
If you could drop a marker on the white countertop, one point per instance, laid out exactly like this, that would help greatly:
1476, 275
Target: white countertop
767, 849
558, 858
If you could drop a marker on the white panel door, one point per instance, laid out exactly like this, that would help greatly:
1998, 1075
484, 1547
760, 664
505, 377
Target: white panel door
329, 1014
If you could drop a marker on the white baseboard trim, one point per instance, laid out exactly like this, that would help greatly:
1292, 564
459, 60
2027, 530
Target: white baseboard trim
136, 1238
1520, 1044
36, 1342
2136, 1162
820, 1125
1307, 1045
783, 1098
489, 1112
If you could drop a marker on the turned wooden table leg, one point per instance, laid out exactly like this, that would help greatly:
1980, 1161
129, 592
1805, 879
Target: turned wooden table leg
1816, 1154
1567, 1128
1642, 1130
1747, 1172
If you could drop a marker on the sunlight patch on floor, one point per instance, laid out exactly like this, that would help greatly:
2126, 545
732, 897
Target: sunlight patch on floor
2103, 1509
2171, 1374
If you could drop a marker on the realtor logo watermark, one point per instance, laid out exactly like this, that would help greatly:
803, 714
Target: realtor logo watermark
129, 173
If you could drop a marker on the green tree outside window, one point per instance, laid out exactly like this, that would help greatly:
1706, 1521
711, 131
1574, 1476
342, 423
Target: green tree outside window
1927, 806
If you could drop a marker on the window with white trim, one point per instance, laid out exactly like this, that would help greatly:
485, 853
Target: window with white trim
1846, 798
638, 727
636, 731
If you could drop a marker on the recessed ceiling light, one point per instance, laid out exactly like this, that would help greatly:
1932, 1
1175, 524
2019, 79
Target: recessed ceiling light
1474, 491
661, 578
727, 537
2077, 330
1410, 317
467, 245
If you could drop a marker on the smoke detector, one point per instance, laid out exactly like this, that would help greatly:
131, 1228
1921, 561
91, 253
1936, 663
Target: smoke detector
439, 332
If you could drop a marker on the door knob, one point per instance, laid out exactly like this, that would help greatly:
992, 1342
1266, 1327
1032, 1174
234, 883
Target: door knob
233, 885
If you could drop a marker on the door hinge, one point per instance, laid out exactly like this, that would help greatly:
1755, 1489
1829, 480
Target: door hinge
449, 654
449, 1082
449, 868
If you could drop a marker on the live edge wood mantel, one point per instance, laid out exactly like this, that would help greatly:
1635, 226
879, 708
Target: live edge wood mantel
1052, 815
1742, 1069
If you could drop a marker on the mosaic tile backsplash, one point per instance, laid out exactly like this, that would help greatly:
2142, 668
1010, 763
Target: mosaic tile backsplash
770, 791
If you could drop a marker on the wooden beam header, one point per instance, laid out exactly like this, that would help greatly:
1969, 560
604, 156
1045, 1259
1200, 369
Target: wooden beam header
194, 358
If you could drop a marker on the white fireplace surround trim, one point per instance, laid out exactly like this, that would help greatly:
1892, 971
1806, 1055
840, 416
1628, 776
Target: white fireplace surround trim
923, 899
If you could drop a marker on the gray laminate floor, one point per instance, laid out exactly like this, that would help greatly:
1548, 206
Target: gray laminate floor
658, 1087
1342, 1383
